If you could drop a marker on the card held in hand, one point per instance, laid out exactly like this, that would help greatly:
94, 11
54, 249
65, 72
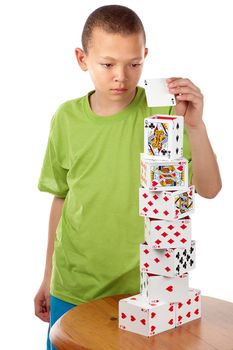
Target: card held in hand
157, 93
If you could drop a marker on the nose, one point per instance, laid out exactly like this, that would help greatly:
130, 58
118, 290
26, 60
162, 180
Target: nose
120, 74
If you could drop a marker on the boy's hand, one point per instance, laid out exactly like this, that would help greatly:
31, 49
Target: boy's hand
189, 101
42, 302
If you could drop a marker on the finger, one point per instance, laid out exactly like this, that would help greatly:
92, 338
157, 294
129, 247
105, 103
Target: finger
184, 90
40, 304
189, 97
41, 310
47, 301
44, 316
183, 82
172, 80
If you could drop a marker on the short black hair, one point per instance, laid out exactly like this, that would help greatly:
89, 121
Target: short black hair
115, 19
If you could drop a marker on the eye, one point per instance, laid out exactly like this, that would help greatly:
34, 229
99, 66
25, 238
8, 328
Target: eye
106, 65
135, 65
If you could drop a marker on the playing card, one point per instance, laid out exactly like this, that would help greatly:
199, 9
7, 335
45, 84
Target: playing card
162, 175
164, 234
167, 262
188, 308
159, 288
163, 137
166, 205
138, 316
157, 93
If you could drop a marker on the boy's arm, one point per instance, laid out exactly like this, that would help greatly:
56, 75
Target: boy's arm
206, 175
189, 103
55, 214
42, 298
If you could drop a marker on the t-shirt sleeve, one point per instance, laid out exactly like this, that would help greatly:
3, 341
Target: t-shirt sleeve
53, 177
186, 150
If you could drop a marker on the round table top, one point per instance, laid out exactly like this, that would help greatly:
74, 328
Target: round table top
94, 326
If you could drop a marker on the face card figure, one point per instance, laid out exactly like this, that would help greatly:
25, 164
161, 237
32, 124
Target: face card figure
162, 175
163, 137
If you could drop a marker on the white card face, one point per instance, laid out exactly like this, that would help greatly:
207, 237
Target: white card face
164, 234
166, 205
189, 308
167, 262
159, 288
157, 93
138, 316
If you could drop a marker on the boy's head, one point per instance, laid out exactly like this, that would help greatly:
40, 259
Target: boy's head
113, 52
113, 19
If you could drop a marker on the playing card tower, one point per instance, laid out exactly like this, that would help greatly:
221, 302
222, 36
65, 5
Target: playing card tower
168, 253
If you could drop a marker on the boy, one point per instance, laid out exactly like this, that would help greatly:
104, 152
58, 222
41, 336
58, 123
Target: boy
92, 167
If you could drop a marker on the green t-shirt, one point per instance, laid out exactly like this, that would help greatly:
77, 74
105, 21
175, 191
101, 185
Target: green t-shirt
93, 162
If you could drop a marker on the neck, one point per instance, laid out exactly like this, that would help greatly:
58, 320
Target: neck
104, 107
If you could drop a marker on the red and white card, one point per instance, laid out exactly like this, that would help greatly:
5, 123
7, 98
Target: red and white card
189, 308
162, 175
166, 205
164, 234
156, 288
138, 316
163, 136
167, 262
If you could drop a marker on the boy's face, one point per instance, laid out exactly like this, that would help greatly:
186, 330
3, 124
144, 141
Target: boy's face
114, 62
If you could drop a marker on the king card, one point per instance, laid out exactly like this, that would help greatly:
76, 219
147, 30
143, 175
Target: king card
163, 175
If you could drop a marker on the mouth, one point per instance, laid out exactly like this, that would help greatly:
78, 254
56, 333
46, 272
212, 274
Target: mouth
119, 90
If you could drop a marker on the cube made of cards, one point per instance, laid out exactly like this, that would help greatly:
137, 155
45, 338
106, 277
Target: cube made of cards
167, 262
188, 308
161, 175
164, 234
166, 205
163, 136
138, 316
156, 288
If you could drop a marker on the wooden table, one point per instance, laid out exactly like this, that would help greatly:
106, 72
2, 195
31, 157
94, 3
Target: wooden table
94, 326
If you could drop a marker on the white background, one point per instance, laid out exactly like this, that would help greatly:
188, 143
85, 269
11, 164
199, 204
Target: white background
38, 71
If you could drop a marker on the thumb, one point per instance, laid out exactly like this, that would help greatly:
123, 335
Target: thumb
47, 302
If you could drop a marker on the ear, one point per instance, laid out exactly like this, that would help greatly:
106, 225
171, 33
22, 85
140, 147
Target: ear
145, 52
81, 58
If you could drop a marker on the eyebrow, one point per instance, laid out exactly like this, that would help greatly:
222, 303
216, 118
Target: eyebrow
112, 58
